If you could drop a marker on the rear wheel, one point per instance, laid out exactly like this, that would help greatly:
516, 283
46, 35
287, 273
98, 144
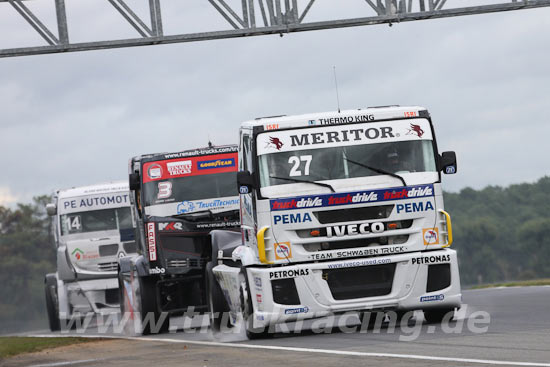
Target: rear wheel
368, 319
434, 316
52, 302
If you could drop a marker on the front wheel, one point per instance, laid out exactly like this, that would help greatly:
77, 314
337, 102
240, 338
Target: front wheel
143, 303
248, 314
217, 305
437, 315
52, 302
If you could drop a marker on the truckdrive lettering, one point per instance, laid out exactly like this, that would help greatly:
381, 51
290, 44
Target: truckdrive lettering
341, 136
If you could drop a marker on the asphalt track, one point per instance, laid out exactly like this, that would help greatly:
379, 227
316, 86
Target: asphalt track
518, 333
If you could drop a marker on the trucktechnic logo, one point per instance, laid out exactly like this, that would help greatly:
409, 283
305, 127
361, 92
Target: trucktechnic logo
358, 197
190, 206
185, 207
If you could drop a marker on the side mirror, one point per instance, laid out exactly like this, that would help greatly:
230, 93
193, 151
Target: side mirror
51, 209
447, 163
133, 181
245, 181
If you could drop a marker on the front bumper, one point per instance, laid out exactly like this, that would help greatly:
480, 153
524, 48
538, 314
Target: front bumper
406, 288
92, 296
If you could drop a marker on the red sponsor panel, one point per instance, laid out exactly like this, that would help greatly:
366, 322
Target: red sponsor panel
189, 166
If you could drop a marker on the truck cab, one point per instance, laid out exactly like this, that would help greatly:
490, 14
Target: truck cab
178, 199
343, 211
93, 227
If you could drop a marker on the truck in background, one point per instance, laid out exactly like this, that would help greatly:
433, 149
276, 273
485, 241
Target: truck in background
92, 228
178, 199
341, 211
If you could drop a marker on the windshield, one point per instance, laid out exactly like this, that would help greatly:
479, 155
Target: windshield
199, 183
96, 220
396, 155
191, 188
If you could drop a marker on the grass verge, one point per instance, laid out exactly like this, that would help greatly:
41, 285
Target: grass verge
11, 346
520, 283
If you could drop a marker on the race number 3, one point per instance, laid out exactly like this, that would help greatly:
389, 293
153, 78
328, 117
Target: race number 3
165, 190
297, 162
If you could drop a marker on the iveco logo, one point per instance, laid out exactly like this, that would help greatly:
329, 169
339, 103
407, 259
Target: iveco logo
355, 229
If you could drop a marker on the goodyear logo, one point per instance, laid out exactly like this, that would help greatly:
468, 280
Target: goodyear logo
217, 163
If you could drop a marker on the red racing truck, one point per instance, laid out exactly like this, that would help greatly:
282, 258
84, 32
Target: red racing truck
178, 199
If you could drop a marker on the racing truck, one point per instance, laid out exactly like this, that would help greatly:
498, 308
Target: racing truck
178, 199
340, 212
92, 228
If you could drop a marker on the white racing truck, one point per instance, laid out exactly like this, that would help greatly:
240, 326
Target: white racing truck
92, 228
340, 211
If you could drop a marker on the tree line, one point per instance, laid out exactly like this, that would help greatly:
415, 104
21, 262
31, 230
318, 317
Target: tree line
501, 234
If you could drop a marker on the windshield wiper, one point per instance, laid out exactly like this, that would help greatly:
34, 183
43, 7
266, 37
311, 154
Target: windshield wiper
207, 213
378, 170
305, 181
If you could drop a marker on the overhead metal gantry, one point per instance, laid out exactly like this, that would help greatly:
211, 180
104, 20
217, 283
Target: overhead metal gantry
243, 18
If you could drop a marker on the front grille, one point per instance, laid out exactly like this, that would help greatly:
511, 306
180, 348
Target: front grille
353, 215
439, 277
108, 250
182, 244
285, 292
110, 266
130, 247
186, 263
360, 282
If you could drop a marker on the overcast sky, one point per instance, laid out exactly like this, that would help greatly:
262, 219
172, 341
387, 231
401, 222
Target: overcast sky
75, 119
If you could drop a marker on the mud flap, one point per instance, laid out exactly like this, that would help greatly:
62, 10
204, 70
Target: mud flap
229, 279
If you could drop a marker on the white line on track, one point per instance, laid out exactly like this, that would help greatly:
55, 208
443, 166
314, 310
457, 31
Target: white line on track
322, 351
68, 363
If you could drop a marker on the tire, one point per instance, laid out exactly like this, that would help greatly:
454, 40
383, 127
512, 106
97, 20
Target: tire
436, 315
50, 287
371, 322
217, 304
248, 315
121, 293
145, 303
